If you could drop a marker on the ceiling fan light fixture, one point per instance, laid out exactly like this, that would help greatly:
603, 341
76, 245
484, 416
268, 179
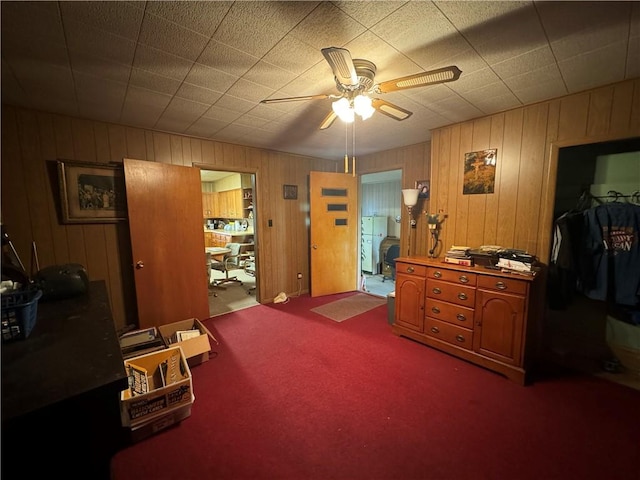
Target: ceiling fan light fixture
343, 109
363, 107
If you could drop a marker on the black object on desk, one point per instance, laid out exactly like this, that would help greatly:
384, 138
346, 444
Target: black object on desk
61, 389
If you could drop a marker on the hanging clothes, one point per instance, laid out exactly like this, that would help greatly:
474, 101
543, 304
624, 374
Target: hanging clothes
611, 246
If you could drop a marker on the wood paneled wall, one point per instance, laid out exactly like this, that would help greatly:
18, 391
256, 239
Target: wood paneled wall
31, 143
519, 212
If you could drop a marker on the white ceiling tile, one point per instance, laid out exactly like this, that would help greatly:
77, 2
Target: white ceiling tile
293, 55
249, 91
85, 63
368, 13
172, 124
199, 94
587, 41
548, 75
184, 110
204, 127
92, 89
201, 16
474, 80
526, 62
222, 114
172, 38
327, 26
268, 75
41, 20
85, 39
226, 58
161, 63
210, 78
152, 81
118, 18
579, 73
141, 103
541, 89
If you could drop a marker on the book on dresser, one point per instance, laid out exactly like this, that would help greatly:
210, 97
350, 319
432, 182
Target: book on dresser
465, 261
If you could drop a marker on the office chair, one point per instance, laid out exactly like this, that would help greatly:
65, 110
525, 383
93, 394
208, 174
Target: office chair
230, 262
390, 256
250, 269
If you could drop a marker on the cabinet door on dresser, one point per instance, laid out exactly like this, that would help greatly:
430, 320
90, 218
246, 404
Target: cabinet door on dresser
500, 317
410, 287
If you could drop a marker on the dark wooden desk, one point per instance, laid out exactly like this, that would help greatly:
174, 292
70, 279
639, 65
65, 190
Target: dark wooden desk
60, 391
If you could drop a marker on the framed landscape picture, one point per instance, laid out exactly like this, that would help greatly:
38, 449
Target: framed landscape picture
91, 192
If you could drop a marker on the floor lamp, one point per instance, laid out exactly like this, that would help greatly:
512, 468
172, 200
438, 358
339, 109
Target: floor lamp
410, 198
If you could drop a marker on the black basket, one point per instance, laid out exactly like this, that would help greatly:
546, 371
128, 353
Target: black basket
19, 313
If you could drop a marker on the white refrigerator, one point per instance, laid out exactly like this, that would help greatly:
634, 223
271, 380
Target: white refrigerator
374, 230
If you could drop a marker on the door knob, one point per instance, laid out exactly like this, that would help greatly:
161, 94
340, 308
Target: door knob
139, 264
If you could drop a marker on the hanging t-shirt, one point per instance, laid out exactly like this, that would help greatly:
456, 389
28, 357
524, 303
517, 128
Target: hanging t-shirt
613, 244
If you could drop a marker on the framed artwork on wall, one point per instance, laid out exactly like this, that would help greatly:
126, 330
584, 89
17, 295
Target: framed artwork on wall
479, 171
424, 188
290, 192
91, 192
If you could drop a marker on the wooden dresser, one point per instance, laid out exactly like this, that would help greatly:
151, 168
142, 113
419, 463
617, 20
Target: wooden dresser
478, 314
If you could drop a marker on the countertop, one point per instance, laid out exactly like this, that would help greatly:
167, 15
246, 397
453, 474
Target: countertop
232, 233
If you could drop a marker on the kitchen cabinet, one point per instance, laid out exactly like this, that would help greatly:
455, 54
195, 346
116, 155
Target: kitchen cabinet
209, 204
480, 315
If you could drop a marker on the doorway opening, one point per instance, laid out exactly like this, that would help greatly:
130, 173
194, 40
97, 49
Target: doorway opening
230, 239
380, 208
579, 326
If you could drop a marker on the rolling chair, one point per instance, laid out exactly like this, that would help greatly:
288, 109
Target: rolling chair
250, 269
390, 256
230, 262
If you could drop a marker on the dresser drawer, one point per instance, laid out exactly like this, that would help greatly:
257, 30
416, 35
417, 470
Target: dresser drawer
449, 333
454, 276
411, 269
450, 313
500, 284
450, 292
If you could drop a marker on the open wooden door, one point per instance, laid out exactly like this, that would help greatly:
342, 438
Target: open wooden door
167, 242
334, 233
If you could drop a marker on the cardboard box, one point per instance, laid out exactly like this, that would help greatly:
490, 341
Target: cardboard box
196, 349
169, 386
169, 419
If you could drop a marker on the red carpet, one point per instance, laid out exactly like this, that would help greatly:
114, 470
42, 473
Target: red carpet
294, 395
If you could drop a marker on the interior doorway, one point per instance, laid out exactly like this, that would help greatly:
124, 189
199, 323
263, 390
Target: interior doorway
577, 326
229, 215
380, 208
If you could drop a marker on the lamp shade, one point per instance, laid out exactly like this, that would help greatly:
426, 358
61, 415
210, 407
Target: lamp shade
410, 196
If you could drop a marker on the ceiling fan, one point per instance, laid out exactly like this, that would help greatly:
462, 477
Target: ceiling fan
355, 83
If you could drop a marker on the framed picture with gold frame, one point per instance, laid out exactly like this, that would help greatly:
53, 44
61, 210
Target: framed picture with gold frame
91, 192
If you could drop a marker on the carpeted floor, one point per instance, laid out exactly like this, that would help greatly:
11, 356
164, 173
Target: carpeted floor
345, 308
290, 395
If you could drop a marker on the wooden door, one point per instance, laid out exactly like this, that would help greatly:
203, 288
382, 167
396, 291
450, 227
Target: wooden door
165, 204
334, 233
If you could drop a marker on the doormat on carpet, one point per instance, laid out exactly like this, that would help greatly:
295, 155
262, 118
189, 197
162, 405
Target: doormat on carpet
348, 307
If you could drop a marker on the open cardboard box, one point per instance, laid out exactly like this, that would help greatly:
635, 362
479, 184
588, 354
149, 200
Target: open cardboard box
168, 385
196, 349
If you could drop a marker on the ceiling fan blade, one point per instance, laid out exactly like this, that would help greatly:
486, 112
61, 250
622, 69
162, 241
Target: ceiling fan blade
432, 77
294, 99
342, 65
390, 109
328, 120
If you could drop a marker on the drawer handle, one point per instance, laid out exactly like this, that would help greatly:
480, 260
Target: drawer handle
435, 329
437, 274
410, 270
435, 309
460, 338
463, 279
462, 296
501, 286
437, 291
461, 317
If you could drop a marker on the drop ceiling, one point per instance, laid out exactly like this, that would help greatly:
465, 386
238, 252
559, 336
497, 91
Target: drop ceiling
201, 68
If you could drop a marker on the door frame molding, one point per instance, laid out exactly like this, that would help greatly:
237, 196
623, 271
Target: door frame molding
256, 225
